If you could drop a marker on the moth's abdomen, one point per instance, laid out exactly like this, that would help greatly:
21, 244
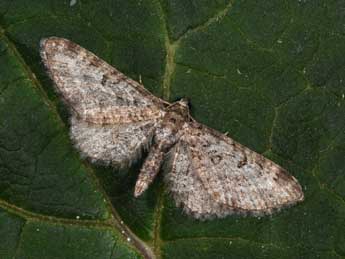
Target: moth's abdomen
149, 170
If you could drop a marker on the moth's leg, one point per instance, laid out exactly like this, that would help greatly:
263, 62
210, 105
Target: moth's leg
149, 169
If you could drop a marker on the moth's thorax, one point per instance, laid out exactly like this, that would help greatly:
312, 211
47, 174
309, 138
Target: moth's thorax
175, 117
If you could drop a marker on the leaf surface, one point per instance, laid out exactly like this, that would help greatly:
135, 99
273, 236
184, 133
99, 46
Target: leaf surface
269, 73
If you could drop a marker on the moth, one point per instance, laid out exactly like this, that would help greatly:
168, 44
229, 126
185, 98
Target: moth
114, 119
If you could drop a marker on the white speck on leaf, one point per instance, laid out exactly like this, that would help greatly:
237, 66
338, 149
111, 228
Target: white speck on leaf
72, 2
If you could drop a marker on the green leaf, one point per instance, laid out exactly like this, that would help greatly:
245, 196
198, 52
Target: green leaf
270, 73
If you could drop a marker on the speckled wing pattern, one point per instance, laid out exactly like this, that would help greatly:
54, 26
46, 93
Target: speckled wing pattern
112, 116
116, 145
113, 119
212, 175
95, 91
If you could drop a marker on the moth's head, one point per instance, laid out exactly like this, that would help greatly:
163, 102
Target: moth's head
184, 102
180, 108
